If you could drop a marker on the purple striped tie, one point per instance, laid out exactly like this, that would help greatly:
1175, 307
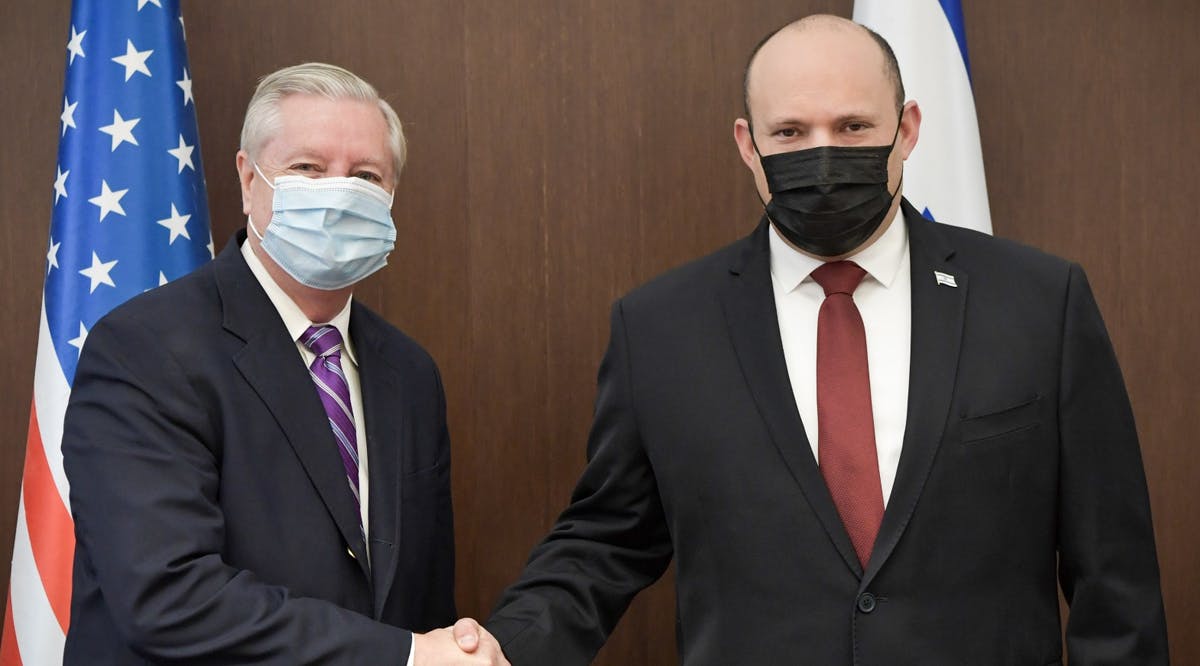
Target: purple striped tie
326, 373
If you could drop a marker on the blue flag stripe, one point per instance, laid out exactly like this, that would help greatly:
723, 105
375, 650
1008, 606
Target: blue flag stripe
954, 15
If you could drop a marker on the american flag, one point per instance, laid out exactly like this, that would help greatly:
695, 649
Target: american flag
130, 213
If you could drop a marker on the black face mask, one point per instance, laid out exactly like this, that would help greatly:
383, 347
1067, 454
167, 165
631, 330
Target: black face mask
828, 200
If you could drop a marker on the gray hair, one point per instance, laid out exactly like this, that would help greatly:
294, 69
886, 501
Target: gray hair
314, 78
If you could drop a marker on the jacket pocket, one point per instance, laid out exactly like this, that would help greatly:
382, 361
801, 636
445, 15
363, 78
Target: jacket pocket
996, 424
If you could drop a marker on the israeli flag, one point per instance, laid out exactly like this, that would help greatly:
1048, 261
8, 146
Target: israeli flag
943, 177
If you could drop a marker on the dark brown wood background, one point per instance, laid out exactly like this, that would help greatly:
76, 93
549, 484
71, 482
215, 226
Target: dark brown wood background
563, 151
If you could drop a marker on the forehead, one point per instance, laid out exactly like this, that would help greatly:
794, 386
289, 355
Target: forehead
335, 129
820, 70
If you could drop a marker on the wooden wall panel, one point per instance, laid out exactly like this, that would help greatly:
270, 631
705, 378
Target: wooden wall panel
510, 48
564, 151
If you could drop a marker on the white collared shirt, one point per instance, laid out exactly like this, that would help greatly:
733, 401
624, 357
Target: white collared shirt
884, 298
297, 323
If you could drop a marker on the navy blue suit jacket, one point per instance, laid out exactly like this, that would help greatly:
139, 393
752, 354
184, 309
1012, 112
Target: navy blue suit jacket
212, 517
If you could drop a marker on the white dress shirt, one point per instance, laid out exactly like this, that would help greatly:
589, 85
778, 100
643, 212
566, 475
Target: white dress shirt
884, 298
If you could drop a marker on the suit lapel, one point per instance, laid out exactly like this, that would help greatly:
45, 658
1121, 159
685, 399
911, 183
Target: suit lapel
749, 305
382, 391
271, 365
938, 311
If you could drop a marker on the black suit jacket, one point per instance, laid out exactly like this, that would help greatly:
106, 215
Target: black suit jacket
1020, 467
212, 517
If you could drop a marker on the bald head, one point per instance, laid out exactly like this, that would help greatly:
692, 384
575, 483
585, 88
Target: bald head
822, 27
825, 81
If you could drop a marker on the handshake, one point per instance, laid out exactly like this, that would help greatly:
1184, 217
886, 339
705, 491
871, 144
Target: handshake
466, 643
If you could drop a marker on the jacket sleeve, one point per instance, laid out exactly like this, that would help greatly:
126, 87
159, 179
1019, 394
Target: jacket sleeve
145, 485
610, 542
1107, 563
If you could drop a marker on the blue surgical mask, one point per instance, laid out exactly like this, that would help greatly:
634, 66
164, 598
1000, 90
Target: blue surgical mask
328, 233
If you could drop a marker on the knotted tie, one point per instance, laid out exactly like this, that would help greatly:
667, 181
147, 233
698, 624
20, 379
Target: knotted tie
845, 426
326, 373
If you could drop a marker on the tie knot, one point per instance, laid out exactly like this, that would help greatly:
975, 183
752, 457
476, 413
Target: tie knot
322, 340
839, 277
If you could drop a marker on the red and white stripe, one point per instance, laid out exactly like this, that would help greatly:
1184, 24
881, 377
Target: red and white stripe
39, 595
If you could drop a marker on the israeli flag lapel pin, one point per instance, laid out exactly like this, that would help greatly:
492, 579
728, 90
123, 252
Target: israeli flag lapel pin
944, 279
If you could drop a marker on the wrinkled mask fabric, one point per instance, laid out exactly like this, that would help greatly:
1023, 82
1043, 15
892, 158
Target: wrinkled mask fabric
328, 233
828, 200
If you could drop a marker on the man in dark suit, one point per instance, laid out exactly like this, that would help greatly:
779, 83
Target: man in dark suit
259, 465
863, 437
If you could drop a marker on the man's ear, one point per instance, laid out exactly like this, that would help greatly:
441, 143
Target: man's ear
745, 143
245, 169
910, 128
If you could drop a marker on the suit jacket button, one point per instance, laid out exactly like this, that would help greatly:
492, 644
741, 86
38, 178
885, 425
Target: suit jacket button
866, 602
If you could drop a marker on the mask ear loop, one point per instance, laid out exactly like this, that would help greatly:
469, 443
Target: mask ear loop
891, 148
750, 128
249, 218
899, 121
264, 176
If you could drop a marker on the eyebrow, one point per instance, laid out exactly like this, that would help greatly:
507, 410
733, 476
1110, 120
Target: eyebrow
306, 152
860, 116
369, 161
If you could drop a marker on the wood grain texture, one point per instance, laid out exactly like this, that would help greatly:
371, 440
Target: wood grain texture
564, 151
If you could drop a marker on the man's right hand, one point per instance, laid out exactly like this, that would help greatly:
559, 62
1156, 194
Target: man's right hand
464, 644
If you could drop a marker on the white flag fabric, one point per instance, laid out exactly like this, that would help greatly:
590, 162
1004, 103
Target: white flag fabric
944, 176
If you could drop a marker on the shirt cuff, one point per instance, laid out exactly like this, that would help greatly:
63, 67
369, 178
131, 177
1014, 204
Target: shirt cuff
412, 649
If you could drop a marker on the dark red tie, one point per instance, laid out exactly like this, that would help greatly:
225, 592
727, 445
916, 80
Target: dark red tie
845, 426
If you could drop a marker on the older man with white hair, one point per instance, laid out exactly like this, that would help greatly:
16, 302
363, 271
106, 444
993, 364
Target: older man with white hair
259, 464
